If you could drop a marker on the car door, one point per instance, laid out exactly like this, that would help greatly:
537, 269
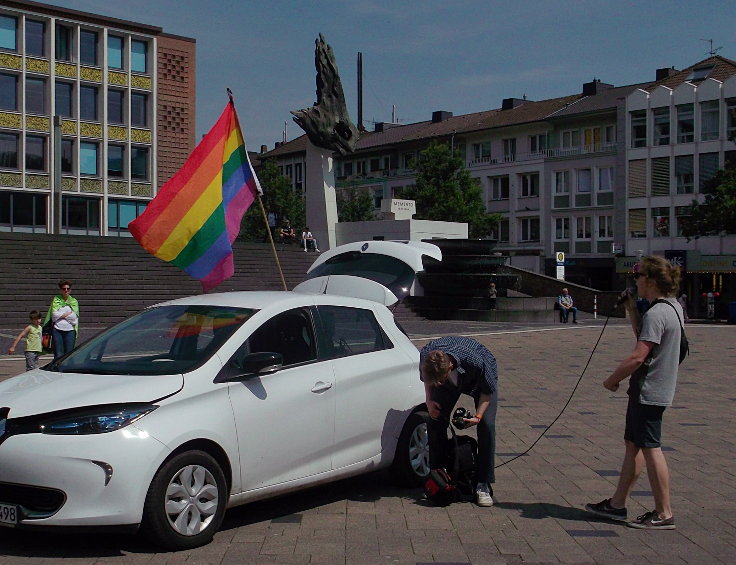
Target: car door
285, 420
368, 392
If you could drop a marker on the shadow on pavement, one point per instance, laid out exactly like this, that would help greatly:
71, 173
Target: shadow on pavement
541, 510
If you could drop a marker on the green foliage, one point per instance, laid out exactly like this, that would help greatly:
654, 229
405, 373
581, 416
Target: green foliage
355, 205
445, 191
278, 198
717, 213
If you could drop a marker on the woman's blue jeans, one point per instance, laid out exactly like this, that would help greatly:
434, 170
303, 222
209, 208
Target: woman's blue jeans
63, 342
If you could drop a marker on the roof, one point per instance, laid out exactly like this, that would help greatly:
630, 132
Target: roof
722, 69
605, 100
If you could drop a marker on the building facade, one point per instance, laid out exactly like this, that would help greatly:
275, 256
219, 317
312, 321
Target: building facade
98, 110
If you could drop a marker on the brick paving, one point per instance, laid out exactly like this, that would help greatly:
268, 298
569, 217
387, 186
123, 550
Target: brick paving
538, 516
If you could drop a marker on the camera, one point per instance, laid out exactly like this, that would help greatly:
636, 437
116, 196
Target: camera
457, 418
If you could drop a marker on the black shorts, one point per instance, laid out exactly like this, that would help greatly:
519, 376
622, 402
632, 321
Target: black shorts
644, 424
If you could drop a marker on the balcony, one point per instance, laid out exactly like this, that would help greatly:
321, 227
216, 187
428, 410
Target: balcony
558, 153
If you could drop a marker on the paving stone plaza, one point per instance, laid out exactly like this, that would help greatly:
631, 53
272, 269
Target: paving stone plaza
538, 516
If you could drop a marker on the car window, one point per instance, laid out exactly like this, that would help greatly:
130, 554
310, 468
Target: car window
158, 341
291, 334
349, 331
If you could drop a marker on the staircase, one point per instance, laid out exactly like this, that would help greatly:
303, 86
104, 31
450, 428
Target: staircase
114, 277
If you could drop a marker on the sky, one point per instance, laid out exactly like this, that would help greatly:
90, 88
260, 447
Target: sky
419, 56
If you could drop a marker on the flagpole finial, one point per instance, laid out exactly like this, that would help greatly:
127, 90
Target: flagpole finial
230, 96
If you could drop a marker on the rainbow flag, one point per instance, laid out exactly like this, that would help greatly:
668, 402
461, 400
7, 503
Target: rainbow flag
194, 219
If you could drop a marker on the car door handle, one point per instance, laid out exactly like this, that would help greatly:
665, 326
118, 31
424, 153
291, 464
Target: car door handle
319, 386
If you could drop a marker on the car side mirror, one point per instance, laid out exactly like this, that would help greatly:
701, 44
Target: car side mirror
252, 365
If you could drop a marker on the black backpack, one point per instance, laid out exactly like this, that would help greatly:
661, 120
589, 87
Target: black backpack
684, 345
458, 485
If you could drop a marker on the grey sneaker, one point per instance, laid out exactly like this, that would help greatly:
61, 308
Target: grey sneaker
653, 521
603, 509
484, 495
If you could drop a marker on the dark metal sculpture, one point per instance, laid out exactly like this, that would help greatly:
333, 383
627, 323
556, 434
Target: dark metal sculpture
327, 123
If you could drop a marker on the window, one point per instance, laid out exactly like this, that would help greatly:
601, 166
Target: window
585, 180
35, 96
88, 47
682, 215
22, 212
138, 56
115, 101
88, 158
638, 223
537, 143
684, 174
499, 188
509, 149
114, 52
700, 73
35, 38
138, 109
562, 182
661, 118
529, 229
661, 222
530, 184
88, 103
685, 123
639, 128
605, 227
377, 198
592, 139
708, 168
375, 164
562, 229
8, 35
609, 134
481, 150
9, 150
637, 178
347, 168
407, 160
64, 105
289, 334
63, 43
139, 163
359, 168
298, 176
67, 156
501, 231
349, 331
605, 179
731, 119
570, 139
8, 92
80, 215
660, 176
35, 153
709, 118
583, 227
120, 213
288, 171
115, 160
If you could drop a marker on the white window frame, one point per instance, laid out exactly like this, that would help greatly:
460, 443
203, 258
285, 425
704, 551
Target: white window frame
564, 186
529, 188
497, 189
562, 229
605, 227
607, 173
583, 224
527, 228
580, 185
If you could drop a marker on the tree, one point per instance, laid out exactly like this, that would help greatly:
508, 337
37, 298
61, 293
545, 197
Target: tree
279, 198
445, 191
355, 205
717, 213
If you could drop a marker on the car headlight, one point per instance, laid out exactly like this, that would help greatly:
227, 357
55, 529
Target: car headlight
94, 419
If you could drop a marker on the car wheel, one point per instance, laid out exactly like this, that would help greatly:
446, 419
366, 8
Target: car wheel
186, 502
411, 461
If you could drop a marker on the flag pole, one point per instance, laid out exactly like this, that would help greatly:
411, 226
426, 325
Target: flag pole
265, 218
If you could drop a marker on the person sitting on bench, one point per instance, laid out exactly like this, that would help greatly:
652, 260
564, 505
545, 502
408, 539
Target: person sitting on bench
566, 306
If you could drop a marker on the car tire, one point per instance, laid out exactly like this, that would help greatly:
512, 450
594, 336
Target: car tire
410, 467
186, 502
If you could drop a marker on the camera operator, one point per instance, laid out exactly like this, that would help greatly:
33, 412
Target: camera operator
451, 366
653, 367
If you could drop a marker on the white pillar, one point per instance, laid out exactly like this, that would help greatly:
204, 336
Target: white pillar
321, 202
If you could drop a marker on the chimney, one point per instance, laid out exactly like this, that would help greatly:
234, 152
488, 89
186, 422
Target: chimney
440, 116
510, 103
264, 148
595, 87
278, 144
665, 72
378, 127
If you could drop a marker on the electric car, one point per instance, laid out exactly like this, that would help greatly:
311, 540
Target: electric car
192, 406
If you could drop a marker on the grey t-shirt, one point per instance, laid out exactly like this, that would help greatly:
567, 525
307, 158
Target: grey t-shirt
661, 326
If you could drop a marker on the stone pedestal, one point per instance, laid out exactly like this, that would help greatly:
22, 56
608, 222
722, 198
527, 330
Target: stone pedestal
321, 202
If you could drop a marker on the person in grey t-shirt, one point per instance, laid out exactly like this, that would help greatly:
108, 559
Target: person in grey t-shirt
653, 368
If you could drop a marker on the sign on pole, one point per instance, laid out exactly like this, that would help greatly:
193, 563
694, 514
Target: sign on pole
560, 258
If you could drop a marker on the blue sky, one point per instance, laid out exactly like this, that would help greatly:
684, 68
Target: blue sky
462, 56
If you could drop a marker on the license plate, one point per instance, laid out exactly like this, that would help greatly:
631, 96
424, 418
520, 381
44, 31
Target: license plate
9, 514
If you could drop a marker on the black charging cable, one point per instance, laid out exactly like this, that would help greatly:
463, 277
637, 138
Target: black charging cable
566, 403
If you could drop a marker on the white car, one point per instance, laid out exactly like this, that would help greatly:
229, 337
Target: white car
196, 405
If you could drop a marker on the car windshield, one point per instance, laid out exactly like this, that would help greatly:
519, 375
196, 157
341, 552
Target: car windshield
389, 271
159, 341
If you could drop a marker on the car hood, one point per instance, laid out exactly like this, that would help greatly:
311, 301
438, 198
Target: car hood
42, 391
